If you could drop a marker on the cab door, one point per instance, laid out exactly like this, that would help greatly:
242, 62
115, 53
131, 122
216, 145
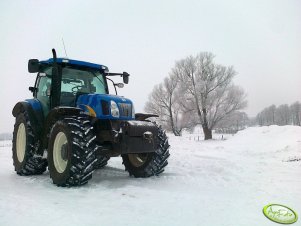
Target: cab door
43, 92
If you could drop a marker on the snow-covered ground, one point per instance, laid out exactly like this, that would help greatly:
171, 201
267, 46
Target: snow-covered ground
212, 183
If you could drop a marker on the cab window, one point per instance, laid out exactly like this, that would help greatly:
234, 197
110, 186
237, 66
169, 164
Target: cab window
43, 92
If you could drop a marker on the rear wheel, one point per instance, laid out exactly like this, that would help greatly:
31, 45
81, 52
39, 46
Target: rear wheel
25, 145
148, 164
71, 156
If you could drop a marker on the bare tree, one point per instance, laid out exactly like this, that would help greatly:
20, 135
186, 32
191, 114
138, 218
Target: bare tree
295, 109
283, 115
260, 118
236, 121
208, 89
271, 114
267, 116
165, 102
6, 136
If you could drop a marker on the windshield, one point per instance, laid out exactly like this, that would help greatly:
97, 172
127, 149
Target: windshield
79, 81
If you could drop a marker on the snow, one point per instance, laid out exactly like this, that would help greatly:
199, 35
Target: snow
217, 182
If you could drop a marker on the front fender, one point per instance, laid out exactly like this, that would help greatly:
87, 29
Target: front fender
53, 116
57, 113
143, 116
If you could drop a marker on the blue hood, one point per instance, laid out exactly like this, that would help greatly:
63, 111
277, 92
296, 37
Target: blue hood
101, 104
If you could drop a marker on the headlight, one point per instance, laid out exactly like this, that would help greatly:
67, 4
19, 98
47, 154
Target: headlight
114, 109
133, 111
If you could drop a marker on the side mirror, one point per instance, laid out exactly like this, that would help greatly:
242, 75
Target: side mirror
119, 85
125, 76
33, 89
33, 66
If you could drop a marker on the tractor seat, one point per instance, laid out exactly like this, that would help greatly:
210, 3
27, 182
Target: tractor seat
67, 99
82, 91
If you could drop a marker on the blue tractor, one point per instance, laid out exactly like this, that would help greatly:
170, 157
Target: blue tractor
73, 125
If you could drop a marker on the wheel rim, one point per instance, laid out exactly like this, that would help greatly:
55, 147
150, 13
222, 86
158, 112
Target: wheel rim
138, 160
21, 142
60, 141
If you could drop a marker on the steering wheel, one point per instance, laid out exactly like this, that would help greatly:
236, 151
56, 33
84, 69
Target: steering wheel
75, 89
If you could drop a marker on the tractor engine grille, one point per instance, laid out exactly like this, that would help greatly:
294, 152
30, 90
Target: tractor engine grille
125, 109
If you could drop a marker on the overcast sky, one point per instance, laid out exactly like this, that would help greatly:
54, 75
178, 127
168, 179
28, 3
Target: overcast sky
261, 39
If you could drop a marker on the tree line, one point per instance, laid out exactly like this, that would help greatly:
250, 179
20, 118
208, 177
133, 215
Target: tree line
197, 91
282, 115
6, 136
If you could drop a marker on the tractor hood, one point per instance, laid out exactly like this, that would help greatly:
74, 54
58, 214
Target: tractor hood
104, 106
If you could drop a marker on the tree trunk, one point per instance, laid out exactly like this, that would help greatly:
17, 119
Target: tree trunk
298, 120
176, 133
207, 132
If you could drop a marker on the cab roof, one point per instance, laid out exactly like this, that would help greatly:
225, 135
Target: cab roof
75, 63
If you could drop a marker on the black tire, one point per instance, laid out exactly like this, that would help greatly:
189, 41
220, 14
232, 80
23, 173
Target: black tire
101, 162
72, 163
25, 145
148, 164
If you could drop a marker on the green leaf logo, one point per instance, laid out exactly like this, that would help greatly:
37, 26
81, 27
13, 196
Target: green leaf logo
280, 214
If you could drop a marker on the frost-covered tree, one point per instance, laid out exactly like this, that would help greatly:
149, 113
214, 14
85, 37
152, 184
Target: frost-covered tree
267, 116
208, 89
271, 111
283, 115
295, 110
165, 101
236, 121
260, 119
6, 136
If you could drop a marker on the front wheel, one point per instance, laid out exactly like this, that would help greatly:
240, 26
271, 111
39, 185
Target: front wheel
148, 164
102, 161
71, 156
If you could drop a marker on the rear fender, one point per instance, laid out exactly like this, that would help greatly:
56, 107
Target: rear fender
34, 111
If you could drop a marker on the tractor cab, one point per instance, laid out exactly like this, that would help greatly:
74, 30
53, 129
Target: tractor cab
60, 82
75, 81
